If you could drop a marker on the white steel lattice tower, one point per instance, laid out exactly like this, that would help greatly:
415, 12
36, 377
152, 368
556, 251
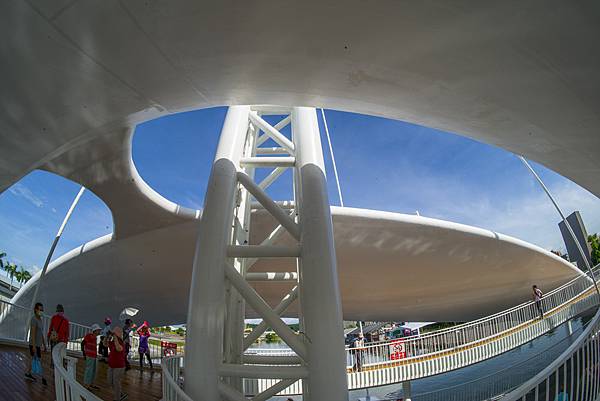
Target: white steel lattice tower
215, 365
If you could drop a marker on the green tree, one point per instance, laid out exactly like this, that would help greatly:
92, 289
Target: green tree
11, 270
594, 242
22, 276
26, 276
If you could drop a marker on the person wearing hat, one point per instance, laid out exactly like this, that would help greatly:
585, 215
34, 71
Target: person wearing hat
103, 345
90, 355
58, 331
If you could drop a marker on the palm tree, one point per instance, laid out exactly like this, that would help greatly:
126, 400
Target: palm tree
11, 269
26, 276
19, 275
2, 255
22, 276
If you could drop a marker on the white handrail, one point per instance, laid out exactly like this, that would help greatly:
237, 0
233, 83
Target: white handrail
476, 331
498, 383
575, 370
171, 366
67, 388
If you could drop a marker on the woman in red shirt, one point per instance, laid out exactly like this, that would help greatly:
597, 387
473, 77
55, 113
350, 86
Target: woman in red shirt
116, 362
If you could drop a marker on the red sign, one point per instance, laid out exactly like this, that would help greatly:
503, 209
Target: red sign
397, 350
168, 348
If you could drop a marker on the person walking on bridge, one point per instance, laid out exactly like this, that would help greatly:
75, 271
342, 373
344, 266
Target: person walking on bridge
58, 332
537, 298
36, 344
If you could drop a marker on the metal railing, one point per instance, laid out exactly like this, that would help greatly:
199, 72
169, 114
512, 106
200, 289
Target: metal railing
14, 326
66, 386
448, 349
499, 382
381, 363
171, 379
575, 375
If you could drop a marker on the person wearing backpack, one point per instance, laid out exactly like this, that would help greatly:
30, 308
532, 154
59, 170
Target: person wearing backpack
58, 331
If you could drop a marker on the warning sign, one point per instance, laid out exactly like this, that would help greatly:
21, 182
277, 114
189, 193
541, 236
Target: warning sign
168, 348
397, 350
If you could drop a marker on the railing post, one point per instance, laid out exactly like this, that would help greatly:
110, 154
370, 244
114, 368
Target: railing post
406, 390
71, 366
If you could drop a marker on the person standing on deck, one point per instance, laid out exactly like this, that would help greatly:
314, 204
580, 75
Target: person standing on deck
104, 334
36, 344
359, 346
144, 348
537, 298
116, 362
127, 339
58, 332
90, 354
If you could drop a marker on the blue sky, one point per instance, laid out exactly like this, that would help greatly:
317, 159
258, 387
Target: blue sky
383, 164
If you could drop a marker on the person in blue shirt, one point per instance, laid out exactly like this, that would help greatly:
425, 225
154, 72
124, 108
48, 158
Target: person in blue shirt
562, 395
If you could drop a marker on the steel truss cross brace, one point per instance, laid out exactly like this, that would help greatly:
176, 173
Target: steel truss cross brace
215, 363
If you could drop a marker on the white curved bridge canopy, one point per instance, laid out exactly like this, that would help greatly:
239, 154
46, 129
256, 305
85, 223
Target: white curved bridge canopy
523, 77
391, 267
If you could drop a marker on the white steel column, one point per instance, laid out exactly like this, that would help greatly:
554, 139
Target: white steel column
220, 288
206, 309
318, 279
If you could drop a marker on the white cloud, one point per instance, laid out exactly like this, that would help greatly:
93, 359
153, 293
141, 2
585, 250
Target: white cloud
22, 191
533, 218
520, 208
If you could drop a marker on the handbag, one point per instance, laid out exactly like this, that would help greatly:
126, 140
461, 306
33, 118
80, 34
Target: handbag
54, 333
36, 366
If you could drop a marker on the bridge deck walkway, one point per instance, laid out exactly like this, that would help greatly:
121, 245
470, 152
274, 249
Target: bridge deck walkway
141, 386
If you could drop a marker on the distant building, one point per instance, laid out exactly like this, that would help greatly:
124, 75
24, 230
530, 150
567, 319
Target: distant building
576, 223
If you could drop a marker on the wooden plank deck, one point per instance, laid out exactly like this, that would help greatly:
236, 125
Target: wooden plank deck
14, 361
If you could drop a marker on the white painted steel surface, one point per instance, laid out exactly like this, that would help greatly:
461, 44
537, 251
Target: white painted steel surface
448, 349
415, 61
321, 318
224, 253
385, 264
207, 308
522, 78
